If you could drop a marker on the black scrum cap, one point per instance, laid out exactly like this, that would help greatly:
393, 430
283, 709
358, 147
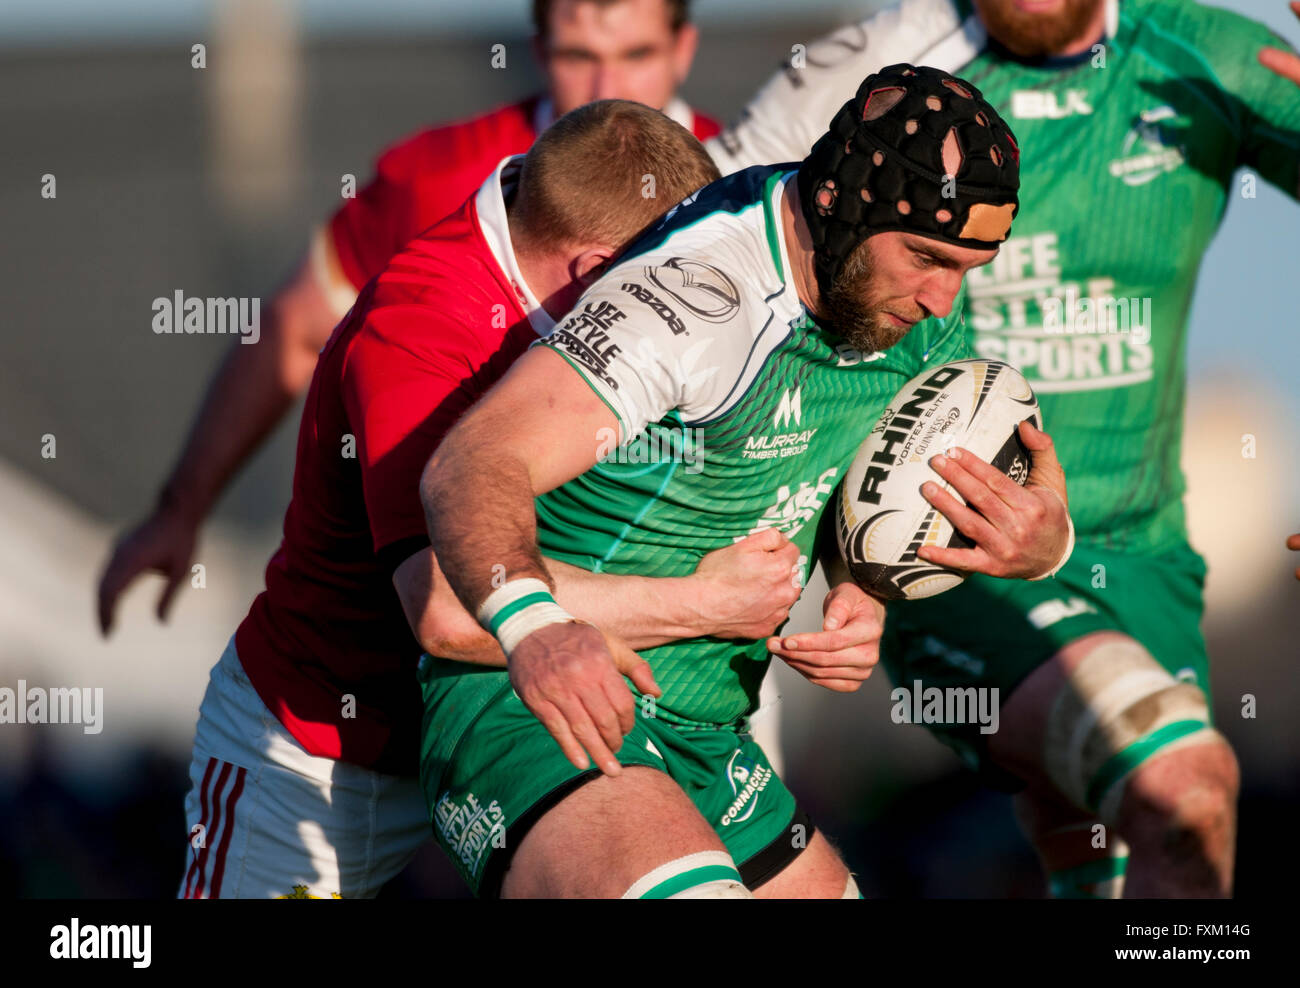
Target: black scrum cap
915, 150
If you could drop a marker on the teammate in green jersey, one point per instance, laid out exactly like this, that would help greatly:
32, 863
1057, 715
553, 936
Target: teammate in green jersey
711, 339
1133, 117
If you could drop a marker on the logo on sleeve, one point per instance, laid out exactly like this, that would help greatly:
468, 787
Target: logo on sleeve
658, 305
700, 287
584, 336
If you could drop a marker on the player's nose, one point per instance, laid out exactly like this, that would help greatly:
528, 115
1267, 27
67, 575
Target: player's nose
606, 83
937, 295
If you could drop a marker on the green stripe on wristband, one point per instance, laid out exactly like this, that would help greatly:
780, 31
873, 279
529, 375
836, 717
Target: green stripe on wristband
696, 876
514, 607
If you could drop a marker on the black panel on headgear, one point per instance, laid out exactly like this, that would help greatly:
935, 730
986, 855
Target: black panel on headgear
916, 150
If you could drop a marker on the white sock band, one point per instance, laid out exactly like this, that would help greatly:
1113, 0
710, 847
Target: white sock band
704, 875
513, 612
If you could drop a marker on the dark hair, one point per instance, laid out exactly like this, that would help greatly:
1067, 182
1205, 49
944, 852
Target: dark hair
678, 11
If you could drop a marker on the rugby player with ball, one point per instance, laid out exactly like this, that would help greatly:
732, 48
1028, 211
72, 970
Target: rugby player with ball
304, 764
779, 303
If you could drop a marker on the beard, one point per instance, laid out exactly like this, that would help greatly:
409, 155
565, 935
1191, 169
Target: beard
850, 310
1032, 35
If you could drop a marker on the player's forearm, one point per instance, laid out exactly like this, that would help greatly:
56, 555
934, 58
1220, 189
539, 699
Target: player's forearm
254, 387
644, 611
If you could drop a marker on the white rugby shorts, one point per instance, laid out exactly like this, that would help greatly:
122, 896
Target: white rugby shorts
268, 820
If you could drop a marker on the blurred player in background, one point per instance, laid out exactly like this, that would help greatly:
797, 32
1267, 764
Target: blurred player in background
304, 763
1134, 118
588, 49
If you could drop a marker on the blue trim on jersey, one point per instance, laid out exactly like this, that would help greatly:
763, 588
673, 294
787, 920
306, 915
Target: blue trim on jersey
716, 412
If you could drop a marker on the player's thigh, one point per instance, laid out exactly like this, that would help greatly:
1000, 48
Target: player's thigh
817, 873
599, 840
518, 819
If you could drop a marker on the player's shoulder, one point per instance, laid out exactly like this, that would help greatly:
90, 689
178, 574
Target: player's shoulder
1204, 46
934, 16
429, 150
907, 28
736, 207
445, 276
1189, 34
1190, 20
714, 254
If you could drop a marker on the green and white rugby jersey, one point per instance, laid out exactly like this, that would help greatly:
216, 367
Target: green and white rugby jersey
1128, 157
740, 413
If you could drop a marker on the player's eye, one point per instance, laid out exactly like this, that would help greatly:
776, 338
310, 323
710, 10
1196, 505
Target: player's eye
573, 56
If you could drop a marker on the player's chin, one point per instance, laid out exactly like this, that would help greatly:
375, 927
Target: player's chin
876, 331
889, 329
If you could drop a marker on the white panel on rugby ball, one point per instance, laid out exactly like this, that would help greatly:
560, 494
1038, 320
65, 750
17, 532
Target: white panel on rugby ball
881, 517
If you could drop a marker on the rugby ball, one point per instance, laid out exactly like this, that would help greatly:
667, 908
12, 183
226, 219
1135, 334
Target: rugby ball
881, 518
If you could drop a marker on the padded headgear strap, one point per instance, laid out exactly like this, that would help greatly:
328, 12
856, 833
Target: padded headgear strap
916, 150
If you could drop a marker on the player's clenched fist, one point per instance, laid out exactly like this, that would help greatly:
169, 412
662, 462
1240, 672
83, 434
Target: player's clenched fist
748, 588
570, 676
840, 656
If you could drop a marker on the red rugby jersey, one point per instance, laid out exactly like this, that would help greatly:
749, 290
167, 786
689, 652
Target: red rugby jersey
442, 323
421, 179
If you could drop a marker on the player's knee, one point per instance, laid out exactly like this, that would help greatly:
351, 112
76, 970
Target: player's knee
1185, 803
1118, 712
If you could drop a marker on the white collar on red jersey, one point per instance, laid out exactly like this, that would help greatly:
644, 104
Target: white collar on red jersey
676, 109
490, 204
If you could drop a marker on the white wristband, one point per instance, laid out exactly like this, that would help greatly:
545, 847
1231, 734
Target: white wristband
513, 612
1069, 545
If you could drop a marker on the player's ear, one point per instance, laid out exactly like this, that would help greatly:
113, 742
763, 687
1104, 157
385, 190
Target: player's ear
591, 264
685, 42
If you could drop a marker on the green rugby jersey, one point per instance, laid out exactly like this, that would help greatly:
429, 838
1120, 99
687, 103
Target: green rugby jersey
737, 412
1128, 160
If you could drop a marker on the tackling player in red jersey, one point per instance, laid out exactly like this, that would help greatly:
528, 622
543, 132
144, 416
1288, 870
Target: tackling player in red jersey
303, 774
588, 49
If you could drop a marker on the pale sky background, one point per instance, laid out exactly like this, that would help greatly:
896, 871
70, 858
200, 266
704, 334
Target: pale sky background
1245, 312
